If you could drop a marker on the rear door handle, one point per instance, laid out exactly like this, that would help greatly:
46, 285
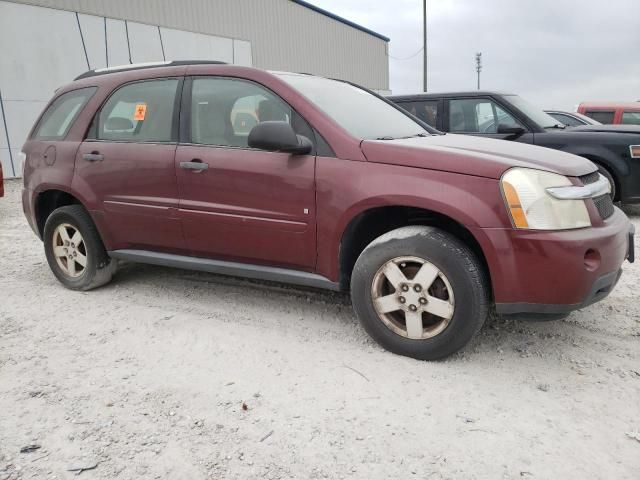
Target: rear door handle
93, 157
197, 165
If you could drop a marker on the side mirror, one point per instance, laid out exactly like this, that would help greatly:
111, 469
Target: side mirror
509, 130
276, 136
118, 124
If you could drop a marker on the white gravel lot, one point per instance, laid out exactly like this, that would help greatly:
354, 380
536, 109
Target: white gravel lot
149, 377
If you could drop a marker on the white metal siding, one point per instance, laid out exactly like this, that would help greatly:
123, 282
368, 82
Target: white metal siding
284, 35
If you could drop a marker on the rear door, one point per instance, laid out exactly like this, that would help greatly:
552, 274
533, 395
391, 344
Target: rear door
239, 203
127, 164
480, 116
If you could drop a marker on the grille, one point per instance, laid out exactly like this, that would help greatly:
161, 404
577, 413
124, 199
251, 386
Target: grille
590, 178
604, 204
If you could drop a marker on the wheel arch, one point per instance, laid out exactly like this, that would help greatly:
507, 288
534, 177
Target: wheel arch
609, 167
52, 197
48, 200
369, 224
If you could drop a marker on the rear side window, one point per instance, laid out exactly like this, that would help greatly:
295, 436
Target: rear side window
140, 112
58, 118
567, 120
601, 116
631, 118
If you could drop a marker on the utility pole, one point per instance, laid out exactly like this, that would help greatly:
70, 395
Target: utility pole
479, 66
424, 43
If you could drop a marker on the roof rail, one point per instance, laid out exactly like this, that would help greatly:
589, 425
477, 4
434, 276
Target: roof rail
141, 66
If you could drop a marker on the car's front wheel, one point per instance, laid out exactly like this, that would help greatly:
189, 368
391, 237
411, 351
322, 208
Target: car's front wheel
74, 249
420, 292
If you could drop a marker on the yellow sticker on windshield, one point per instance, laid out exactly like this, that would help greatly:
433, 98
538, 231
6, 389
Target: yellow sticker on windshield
140, 112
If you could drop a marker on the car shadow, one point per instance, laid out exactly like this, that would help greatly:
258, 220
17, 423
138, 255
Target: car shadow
500, 337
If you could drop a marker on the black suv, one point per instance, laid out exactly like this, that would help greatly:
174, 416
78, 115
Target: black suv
509, 117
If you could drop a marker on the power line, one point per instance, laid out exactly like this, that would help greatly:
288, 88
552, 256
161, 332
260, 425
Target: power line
406, 58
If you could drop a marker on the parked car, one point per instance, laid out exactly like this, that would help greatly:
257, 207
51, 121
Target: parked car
572, 119
334, 187
509, 117
613, 113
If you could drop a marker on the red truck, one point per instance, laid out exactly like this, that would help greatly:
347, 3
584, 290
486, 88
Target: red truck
626, 113
333, 187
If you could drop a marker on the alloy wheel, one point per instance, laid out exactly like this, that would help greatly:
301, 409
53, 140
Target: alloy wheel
69, 250
413, 298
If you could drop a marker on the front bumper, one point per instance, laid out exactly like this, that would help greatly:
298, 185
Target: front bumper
549, 274
602, 287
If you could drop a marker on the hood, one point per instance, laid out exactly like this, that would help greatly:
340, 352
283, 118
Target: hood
470, 155
608, 128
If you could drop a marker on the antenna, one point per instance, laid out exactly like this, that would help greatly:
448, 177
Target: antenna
479, 66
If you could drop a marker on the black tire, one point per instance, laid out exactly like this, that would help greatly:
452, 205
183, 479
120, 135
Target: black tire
454, 259
605, 173
99, 266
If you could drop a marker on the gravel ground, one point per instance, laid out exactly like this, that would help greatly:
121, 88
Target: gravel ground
179, 375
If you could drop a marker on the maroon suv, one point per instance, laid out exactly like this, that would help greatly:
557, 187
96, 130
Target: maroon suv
316, 182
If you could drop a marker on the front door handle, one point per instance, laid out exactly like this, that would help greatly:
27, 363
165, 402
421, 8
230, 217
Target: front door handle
93, 157
197, 165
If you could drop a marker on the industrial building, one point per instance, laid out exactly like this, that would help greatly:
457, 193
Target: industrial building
46, 43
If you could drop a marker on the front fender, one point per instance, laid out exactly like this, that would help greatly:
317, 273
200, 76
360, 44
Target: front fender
348, 189
601, 155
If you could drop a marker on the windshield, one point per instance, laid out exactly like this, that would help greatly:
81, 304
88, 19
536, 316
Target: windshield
357, 111
534, 113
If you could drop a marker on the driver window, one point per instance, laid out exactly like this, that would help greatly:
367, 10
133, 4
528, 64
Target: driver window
223, 111
478, 115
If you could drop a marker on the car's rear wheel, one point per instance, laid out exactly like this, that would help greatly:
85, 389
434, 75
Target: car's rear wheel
74, 249
420, 292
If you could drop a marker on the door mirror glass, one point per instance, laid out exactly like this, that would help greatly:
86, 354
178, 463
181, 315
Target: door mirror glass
278, 136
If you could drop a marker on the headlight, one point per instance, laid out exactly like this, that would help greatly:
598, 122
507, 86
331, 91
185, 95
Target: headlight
531, 207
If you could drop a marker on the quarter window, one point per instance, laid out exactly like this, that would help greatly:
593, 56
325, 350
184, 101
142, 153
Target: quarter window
601, 116
140, 112
224, 110
478, 115
567, 120
58, 118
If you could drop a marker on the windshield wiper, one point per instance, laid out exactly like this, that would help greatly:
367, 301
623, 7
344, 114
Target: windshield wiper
402, 138
557, 125
417, 135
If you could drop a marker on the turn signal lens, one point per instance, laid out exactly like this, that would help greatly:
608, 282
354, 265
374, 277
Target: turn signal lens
514, 205
635, 151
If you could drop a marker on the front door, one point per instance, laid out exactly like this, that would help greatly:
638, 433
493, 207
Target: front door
127, 165
237, 203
